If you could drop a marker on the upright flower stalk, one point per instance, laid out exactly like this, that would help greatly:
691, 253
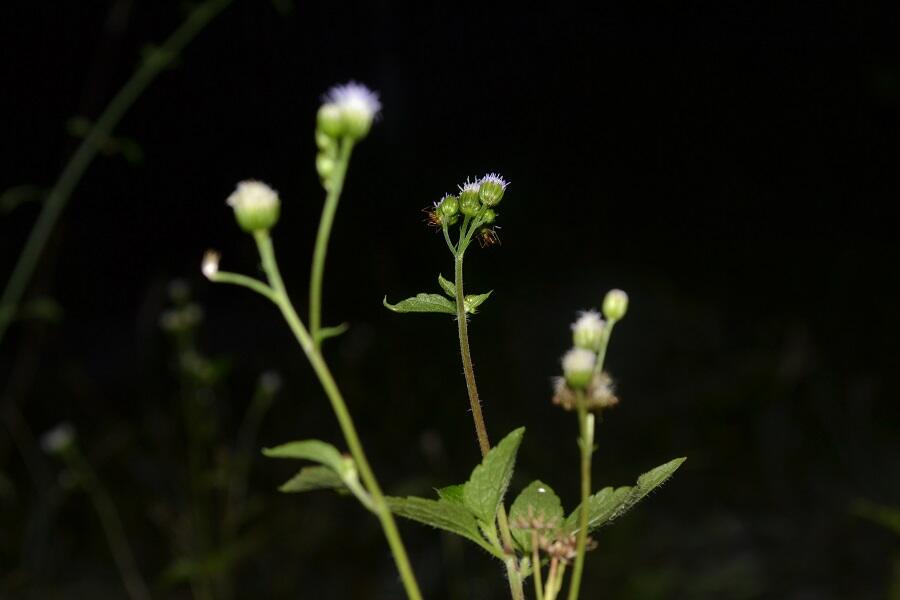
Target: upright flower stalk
345, 118
584, 378
475, 203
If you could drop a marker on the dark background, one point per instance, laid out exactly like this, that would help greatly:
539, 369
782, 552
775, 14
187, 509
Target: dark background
733, 166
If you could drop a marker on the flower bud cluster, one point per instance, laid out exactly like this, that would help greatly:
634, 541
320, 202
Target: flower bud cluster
347, 113
583, 376
475, 200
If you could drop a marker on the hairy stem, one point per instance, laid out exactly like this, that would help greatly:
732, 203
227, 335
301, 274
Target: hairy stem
335, 186
484, 443
57, 198
339, 407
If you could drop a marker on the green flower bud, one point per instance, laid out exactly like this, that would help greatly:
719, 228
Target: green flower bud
325, 143
615, 305
324, 165
469, 201
358, 107
329, 121
256, 206
491, 188
578, 367
489, 215
449, 206
587, 331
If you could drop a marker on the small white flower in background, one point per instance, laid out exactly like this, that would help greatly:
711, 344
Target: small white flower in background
578, 367
58, 439
256, 206
587, 331
210, 264
349, 109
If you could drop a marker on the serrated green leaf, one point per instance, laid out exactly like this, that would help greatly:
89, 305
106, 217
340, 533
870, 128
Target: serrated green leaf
442, 514
608, 504
539, 502
313, 450
318, 477
424, 303
448, 286
473, 301
487, 485
452, 493
601, 507
646, 483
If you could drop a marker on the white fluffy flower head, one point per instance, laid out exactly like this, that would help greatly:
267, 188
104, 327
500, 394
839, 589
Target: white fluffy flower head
578, 360
357, 107
253, 195
256, 205
587, 331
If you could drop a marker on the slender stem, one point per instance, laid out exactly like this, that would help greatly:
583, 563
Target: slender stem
242, 280
335, 186
536, 567
339, 407
58, 196
586, 442
112, 525
484, 443
552, 580
516, 588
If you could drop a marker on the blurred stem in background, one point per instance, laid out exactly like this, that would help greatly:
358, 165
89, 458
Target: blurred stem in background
61, 442
55, 201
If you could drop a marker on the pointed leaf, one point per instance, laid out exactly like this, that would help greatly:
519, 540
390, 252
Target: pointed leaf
473, 301
313, 450
448, 286
646, 483
427, 303
443, 514
313, 478
487, 485
452, 493
601, 507
609, 504
537, 502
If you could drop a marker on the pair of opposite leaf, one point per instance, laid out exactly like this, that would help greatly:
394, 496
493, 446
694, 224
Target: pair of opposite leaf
469, 509
435, 303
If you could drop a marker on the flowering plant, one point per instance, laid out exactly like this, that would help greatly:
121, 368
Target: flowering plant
535, 534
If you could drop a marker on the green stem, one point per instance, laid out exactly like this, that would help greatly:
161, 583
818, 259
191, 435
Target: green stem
112, 525
484, 443
264, 243
335, 186
59, 195
536, 567
586, 442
